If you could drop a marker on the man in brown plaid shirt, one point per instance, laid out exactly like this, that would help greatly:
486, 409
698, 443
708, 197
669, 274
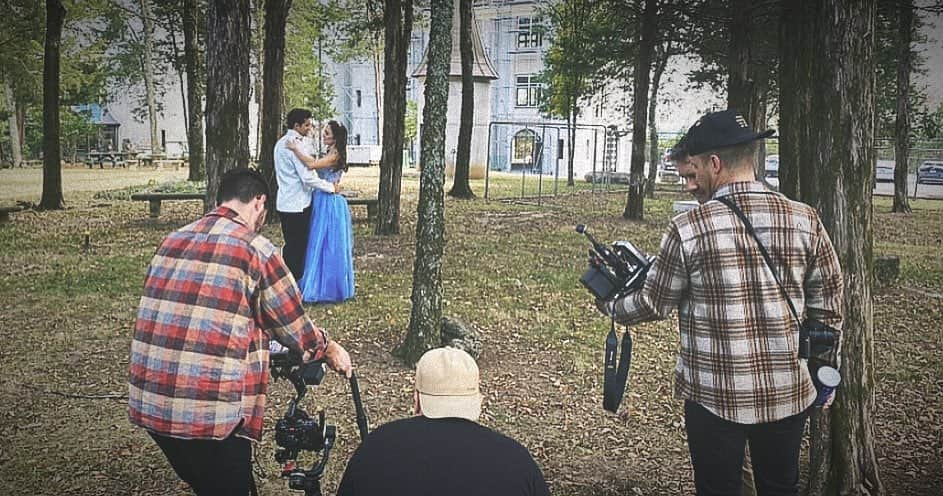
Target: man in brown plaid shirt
738, 369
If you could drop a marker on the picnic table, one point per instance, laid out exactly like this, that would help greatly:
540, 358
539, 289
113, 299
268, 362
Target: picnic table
115, 157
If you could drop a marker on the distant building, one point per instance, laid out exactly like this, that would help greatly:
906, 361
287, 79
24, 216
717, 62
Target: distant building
520, 137
106, 128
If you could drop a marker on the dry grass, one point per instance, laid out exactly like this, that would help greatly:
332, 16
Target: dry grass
510, 270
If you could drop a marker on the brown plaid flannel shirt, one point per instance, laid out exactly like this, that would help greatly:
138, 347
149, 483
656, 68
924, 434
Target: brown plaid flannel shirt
739, 341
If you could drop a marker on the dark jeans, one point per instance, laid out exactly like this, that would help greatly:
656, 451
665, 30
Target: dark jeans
295, 228
717, 446
211, 467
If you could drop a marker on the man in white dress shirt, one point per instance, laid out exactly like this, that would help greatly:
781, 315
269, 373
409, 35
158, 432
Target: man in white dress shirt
295, 184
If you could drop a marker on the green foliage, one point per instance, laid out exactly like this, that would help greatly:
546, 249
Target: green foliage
885, 88
361, 30
931, 124
74, 128
308, 43
412, 122
21, 47
119, 27
570, 63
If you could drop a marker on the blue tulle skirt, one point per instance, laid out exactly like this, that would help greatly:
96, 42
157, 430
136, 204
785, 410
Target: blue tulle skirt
329, 261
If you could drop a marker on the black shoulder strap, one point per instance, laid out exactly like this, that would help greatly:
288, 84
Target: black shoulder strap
616, 374
769, 261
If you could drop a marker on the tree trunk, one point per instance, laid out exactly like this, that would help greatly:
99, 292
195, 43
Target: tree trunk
273, 87
426, 316
634, 204
902, 142
572, 113
758, 122
398, 22
172, 31
378, 67
795, 78
52, 149
227, 91
739, 84
259, 49
150, 92
195, 84
661, 60
21, 127
16, 147
460, 186
842, 143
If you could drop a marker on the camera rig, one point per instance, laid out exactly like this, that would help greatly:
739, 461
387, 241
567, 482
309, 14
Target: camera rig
296, 431
613, 271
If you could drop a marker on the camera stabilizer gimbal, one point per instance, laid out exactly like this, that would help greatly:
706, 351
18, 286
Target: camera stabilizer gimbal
296, 431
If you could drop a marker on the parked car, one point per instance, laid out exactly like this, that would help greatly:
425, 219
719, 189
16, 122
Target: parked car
930, 172
884, 171
772, 166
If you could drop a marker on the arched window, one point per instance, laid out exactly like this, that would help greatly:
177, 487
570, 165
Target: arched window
524, 148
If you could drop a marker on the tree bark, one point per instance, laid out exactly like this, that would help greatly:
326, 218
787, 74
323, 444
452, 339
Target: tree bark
227, 91
795, 76
171, 25
902, 136
378, 68
661, 60
634, 205
842, 143
195, 83
460, 186
52, 149
398, 22
573, 112
739, 83
426, 316
16, 147
273, 87
150, 92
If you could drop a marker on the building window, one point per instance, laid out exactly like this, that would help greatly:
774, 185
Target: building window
356, 139
528, 32
359, 99
529, 91
525, 148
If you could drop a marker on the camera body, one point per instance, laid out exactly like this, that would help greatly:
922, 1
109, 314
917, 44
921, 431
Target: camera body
818, 344
297, 431
817, 341
615, 270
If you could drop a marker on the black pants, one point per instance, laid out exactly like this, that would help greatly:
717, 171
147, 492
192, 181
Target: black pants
717, 446
211, 467
295, 229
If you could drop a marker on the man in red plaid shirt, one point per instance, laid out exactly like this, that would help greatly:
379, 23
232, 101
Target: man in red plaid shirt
738, 368
215, 293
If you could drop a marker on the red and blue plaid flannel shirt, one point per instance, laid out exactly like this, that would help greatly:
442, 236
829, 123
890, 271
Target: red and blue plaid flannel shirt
215, 293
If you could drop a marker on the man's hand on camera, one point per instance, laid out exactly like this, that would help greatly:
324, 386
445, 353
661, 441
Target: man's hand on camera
829, 401
337, 359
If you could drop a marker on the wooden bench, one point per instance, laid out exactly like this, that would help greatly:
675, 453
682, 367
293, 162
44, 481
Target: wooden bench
154, 199
5, 212
373, 206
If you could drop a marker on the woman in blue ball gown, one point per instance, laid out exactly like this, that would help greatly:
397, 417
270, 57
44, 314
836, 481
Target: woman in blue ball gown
329, 259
